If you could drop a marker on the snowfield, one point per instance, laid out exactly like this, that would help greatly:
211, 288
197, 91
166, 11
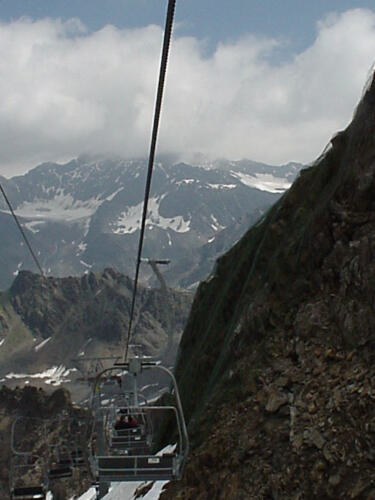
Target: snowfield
54, 376
263, 182
129, 220
127, 491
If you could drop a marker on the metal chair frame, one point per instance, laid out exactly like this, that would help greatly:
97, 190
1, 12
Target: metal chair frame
31, 491
132, 466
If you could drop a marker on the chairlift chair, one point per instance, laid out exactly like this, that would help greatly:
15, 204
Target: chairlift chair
68, 452
61, 462
112, 465
28, 478
77, 434
28, 481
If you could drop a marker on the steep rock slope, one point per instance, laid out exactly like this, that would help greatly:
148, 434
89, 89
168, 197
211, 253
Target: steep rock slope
276, 365
47, 322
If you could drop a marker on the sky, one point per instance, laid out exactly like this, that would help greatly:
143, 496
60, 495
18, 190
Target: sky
265, 80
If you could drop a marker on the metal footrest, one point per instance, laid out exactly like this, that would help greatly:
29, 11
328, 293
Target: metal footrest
137, 468
28, 493
60, 473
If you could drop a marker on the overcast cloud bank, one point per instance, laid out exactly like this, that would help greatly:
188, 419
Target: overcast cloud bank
65, 91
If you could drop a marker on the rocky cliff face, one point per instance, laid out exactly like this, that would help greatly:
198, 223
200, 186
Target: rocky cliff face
276, 365
45, 323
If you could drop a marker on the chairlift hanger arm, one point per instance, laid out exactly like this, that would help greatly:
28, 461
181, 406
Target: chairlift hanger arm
156, 261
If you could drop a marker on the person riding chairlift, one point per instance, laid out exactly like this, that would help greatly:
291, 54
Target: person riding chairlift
126, 422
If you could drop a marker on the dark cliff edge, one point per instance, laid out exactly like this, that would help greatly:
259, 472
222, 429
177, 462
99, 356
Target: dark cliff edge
276, 364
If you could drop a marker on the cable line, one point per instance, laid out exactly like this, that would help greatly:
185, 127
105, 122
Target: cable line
159, 97
22, 232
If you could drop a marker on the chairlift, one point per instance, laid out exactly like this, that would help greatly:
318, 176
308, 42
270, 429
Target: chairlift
115, 463
28, 479
61, 462
77, 445
67, 452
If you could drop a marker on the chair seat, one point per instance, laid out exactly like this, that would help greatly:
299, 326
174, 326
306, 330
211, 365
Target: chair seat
60, 472
28, 493
127, 431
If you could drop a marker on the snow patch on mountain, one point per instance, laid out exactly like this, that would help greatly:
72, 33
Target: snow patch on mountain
129, 220
39, 346
19, 265
61, 207
186, 181
216, 226
81, 247
222, 186
54, 376
263, 182
33, 225
88, 495
111, 196
89, 266
128, 491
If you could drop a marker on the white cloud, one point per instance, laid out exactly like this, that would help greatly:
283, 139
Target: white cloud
66, 91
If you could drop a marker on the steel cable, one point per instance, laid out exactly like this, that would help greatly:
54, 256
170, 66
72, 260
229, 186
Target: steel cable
22, 232
159, 97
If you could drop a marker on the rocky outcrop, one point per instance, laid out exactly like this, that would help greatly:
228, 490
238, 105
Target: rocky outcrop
280, 396
301, 428
46, 322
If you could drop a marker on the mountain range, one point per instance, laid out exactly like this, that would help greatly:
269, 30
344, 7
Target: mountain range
85, 215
